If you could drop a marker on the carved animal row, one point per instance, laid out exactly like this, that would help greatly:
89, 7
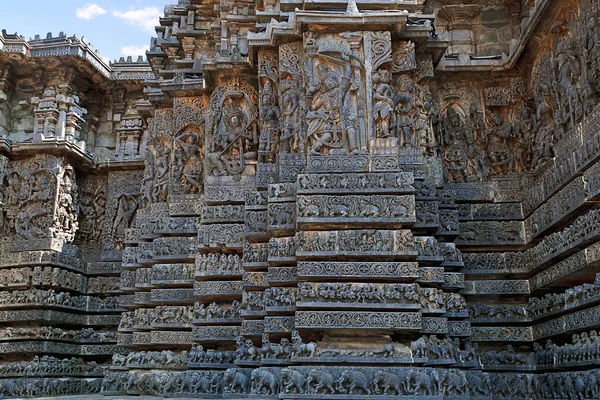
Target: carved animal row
164, 358
217, 311
178, 246
351, 206
552, 245
271, 297
506, 357
584, 348
539, 306
50, 297
50, 366
49, 332
210, 356
163, 315
308, 183
49, 387
311, 381
178, 223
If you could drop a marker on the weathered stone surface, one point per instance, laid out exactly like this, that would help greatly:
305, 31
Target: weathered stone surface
306, 200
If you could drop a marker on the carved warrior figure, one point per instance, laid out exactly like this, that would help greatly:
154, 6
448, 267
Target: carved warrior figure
331, 125
190, 150
36, 192
232, 128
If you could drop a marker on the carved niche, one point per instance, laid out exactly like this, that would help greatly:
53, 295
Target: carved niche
232, 130
42, 201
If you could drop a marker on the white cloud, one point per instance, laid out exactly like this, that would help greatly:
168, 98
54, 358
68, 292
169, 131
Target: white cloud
145, 18
89, 11
134, 51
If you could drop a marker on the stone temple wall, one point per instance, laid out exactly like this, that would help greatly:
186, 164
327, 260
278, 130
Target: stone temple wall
306, 200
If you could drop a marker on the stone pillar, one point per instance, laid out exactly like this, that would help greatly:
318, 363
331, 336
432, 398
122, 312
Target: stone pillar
460, 19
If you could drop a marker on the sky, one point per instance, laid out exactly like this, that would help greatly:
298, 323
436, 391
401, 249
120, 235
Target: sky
116, 28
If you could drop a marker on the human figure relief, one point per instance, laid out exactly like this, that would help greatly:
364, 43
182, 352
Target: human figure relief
568, 69
383, 107
161, 163
269, 131
426, 135
290, 123
405, 107
126, 207
330, 125
501, 158
455, 150
593, 41
34, 217
524, 132
234, 141
92, 208
147, 186
11, 201
543, 142
190, 144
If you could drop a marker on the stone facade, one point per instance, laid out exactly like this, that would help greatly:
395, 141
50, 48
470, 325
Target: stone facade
333, 200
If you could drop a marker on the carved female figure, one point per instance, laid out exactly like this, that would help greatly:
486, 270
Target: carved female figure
329, 125
383, 107
568, 68
455, 152
289, 115
500, 156
161, 184
126, 206
544, 135
424, 124
270, 123
148, 180
524, 132
405, 107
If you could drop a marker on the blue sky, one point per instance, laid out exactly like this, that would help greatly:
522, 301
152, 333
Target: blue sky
115, 27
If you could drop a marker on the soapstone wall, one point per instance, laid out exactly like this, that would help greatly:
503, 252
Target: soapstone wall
306, 200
